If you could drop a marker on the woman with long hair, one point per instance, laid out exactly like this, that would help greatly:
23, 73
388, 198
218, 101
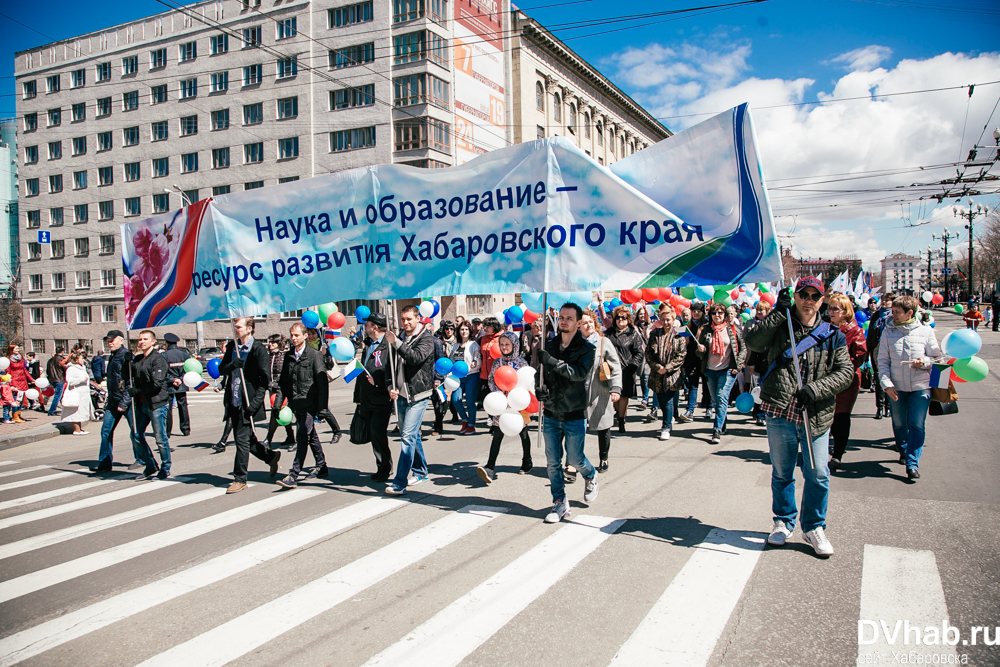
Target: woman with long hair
464, 398
631, 350
20, 379
723, 354
665, 355
841, 312
604, 392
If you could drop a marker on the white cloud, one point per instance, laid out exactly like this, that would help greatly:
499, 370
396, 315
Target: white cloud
864, 59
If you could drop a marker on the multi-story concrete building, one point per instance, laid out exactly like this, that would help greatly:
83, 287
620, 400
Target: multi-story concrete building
228, 95
903, 273
9, 229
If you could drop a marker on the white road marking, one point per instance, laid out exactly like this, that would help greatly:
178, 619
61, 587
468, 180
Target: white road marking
8, 463
10, 486
50, 576
900, 586
681, 628
243, 634
464, 625
69, 626
11, 473
46, 495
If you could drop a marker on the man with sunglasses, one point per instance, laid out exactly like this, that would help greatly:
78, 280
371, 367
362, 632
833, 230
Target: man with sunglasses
825, 370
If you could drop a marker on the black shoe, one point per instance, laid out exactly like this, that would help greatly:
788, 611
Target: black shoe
902, 459
219, 448
185, 434
336, 438
834, 464
380, 477
288, 482
912, 474
526, 467
716, 437
99, 468
318, 472
878, 414
603, 467
163, 474
621, 426
148, 473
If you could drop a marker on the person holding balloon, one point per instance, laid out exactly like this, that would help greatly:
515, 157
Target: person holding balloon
507, 366
842, 316
176, 356
464, 398
371, 394
276, 357
20, 380
314, 341
444, 345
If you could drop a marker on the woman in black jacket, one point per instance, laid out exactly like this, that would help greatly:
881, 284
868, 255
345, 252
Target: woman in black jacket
631, 351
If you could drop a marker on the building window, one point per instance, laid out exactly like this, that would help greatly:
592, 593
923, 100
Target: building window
55, 150
586, 125
109, 313
419, 89
220, 158
539, 96
423, 45
130, 101
105, 176
132, 171
103, 107
107, 244
30, 122
161, 167
361, 96
37, 315
30, 154
161, 202
351, 14
130, 65
287, 179
408, 10
83, 314
103, 71
287, 28
220, 82
188, 51
130, 136
556, 108
55, 117
253, 185
348, 140
79, 145
105, 210
415, 133
288, 107
31, 187
133, 206
572, 118
35, 284
29, 90
109, 277
251, 37
79, 78
53, 83
81, 247
59, 315
79, 180
34, 250
34, 219
57, 249
58, 281
158, 94
253, 75
253, 153
38, 346
288, 67
159, 131
426, 164
189, 125
55, 183
600, 136
352, 55
56, 217
623, 146
220, 119
189, 163
81, 213
253, 114
288, 148
220, 190
189, 88
218, 44
104, 141
79, 112
157, 58
83, 279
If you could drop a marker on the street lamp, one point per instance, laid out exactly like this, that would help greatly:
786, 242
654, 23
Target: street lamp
176, 189
972, 214
996, 136
946, 236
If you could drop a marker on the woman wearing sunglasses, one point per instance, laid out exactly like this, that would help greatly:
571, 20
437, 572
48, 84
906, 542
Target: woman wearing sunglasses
631, 352
841, 313
723, 354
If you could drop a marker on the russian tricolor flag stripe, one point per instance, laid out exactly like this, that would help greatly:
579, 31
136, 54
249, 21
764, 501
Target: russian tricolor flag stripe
202, 386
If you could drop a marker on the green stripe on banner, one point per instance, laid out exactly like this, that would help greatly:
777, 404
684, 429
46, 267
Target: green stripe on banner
669, 272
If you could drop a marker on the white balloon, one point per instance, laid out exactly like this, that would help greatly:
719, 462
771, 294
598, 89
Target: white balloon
501, 318
755, 392
4, 363
451, 382
495, 403
42, 382
191, 379
511, 423
519, 398
426, 309
526, 378
32, 394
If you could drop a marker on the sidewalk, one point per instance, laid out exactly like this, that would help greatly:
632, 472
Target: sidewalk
37, 426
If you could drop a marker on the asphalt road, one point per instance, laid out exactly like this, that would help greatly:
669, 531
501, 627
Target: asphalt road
666, 567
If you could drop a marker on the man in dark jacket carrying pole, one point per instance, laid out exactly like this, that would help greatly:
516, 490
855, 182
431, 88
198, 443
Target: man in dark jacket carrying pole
371, 393
151, 402
788, 398
305, 384
176, 356
246, 365
118, 406
566, 360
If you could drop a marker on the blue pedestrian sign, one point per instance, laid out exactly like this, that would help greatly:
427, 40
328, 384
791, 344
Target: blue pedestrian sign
44, 237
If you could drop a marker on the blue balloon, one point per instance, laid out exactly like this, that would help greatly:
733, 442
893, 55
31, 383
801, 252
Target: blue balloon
460, 369
515, 314
213, 369
443, 365
437, 307
342, 349
361, 313
310, 319
932, 326
607, 305
744, 403
704, 292
617, 302
580, 298
961, 344
533, 301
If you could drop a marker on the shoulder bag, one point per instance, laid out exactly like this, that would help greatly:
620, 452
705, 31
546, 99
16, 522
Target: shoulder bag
605, 371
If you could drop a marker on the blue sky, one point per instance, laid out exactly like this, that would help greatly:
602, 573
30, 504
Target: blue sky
771, 53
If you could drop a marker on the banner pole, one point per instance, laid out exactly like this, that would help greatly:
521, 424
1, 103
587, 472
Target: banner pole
798, 378
131, 379
392, 365
541, 373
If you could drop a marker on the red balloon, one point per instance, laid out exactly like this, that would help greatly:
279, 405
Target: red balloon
665, 293
685, 303
48, 391
632, 295
533, 406
768, 297
529, 316
678, 309
336, 320
735, 294
650, 293
505, 378
937, 299
954, 375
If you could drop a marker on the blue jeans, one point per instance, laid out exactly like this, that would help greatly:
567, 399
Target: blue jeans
144, 416
691, 387
111, 419
719, 385
58, 388
411, 449
908, 415
667, 400
573, 431
464, 398
785, 439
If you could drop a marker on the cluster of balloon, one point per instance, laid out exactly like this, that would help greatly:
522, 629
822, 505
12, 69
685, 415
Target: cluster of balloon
453, 372
860, 316
44, 386
962, 346
515, 400
429, 308
192, 373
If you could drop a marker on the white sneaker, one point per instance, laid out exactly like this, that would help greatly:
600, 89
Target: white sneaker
816, 538
559, 512
413, 480
590, 490
779, 533
665, 434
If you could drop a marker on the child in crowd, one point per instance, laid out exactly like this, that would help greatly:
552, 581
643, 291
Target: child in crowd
7, 399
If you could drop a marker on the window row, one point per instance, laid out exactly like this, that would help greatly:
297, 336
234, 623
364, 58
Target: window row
57, 248
57, 281
582, 123
84, 315
81, 213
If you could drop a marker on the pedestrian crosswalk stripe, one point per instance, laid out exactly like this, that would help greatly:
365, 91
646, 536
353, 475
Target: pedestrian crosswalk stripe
682, 628
255, 628
10, 486
11, 473
79, 530
92, 501
55, 493
900, 585
8, 463
463, 626
56, 632
50, 576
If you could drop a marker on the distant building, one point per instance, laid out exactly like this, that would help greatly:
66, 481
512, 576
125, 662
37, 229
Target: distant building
903, 273
9, 236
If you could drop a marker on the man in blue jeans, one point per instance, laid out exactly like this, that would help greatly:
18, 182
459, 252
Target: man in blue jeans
567, 359
119, 404
825, 371
411, 389
55, 371
152, 400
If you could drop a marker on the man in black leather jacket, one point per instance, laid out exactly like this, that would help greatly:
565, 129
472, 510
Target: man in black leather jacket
149, 391
304, 383
176, 356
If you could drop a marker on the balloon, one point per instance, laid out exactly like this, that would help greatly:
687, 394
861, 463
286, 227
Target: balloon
336, 320
744, 402
533, 301
581, 299
961, 344
652, 294
516, 315
687, 292
193, 366
735, 294
460, 369
426, 309
495, 402
959, 308
327, 309
511, 423
972, 369
444, 365
310, 319
859, 317
519, 398
866, 325
437, 307
42, 382
32, 394
451, 383
285, 416
505, 377
191, 379
769, 298
615, 303
48, 392
937, 300
755, 392
213, 369
342, 349
4, 363
529, 317
361, 313
746, 318
533, 406
665, 293
764, 287
526, 378
722, 296
703, 292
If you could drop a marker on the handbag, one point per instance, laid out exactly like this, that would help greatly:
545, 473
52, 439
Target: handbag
866, 378
359, 429
605, 370
939, 409
70, 399
941, 395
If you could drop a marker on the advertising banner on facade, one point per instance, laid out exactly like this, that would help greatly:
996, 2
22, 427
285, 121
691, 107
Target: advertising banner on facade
538, 216
480, 85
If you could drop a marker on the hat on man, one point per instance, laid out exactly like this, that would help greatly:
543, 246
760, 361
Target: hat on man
810, 281
114, 333
476, 320
378, 319
171, 338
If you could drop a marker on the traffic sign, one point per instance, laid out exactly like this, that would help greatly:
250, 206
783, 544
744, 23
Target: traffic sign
44, 237
945, 270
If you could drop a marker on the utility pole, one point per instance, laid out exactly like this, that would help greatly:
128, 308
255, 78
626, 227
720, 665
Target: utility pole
930, 280
971, 214
946, 236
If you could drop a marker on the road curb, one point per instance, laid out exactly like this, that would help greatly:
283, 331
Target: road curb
27, 438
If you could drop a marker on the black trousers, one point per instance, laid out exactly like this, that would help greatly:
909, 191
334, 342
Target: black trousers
841, 433
880, 403
182, 411
996, 319
378, 428
604, 443
498, 439
306, 439
273, 425
246, 443
328, 417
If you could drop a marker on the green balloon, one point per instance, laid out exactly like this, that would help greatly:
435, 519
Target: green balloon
285, 416
746, 318
765, 289
972, 369
687, 292
722, 296
193, 366
728, 288
325, 311
959, 308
